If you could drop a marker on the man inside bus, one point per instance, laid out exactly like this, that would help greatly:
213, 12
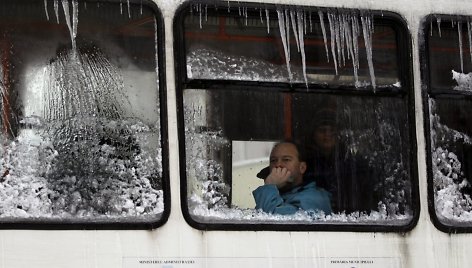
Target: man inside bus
284, 190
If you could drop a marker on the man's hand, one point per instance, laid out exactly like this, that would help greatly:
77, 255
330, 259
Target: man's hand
279, 176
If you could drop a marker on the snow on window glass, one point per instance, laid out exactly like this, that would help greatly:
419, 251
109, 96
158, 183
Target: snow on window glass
365, 168
289, 44
450, 71
81, 137
355, 149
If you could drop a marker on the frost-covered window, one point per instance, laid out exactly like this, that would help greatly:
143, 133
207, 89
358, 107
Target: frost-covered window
447, 76
334, 81
81, 114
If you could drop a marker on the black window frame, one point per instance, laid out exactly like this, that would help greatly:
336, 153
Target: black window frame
134, 223
404, 57
427, 93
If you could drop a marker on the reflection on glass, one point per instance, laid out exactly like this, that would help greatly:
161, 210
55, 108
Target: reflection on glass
448, 46
248, 159
451, 160
80, 115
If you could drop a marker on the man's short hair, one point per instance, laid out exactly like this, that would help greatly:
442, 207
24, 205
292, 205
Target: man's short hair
300, 149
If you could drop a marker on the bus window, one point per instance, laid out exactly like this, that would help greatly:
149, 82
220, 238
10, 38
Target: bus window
82, 139
329, 80
448, 106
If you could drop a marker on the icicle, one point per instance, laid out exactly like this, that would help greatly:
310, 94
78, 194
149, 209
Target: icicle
469, 32
294, 27
459, 31
355, 37
287, 30
283, 36
431, 27
206, 12
121, 7
438, 21
323, 29
65, 7
311, 24
301, 22
129, 9
260, 15
75, 18
56, 10
141, 8
245, 15
268, 21
333, 41
85, 5
348, 35
46, 8
342, 37
304, 22
338, 38
350, 46
367, 29
229, 8
156, 48
355, 47
199, 10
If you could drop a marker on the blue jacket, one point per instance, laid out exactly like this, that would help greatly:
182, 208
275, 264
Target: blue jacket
306, 197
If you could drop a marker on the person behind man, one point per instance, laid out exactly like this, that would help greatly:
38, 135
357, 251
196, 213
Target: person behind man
284, 190
345, 175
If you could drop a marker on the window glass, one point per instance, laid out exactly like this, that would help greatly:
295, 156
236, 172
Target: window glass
80, 113
353, 151
448, 75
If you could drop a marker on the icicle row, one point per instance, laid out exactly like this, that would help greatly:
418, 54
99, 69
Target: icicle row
71, 25
345, 31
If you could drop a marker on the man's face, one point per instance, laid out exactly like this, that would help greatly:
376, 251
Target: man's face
285, 155
325, 137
